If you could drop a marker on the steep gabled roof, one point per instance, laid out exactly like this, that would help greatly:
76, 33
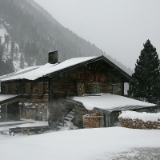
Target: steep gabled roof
48, 69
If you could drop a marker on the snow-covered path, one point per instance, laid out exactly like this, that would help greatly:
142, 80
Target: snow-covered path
84, 144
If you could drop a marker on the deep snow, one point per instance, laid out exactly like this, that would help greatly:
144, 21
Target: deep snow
84, 144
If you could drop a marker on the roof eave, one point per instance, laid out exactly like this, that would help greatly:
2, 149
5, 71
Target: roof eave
126, 75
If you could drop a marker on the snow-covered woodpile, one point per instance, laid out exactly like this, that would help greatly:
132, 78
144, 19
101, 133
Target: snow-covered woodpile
91, 121
135, 120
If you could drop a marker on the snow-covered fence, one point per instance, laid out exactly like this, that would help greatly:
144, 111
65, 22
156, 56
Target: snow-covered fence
136, 120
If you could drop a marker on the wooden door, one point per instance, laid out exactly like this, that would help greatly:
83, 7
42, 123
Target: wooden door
96, 88
80, 89
115, 89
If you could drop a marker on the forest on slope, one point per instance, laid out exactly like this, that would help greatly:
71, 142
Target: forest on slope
33, 32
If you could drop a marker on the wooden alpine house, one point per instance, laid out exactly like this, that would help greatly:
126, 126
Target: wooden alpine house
46, 92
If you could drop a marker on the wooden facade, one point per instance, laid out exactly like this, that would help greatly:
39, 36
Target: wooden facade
33, 97
45, 97
95, 77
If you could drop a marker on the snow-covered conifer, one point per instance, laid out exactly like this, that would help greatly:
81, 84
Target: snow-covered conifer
146, 75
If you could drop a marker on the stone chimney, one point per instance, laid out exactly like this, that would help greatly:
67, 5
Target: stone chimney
53, 57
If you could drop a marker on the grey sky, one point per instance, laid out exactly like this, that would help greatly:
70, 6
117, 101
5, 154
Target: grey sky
118, 27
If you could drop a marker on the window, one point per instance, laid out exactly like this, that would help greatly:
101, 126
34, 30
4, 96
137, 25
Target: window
115, 89
96, 88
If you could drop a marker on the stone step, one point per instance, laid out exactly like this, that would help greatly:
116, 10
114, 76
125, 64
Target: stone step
70, 115
70, 118
66, 119
72, 112
60, 124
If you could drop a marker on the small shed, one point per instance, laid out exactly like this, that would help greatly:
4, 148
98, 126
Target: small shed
107, 106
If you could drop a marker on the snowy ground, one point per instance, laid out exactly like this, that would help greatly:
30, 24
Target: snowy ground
139, 154
112, 143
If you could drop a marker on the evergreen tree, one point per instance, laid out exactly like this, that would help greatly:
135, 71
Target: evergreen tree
1, 62
22, 62
28, 53
0, 40
16, 52
9, 67
5, 66
7, 40
147, 75
1, 52
12, 49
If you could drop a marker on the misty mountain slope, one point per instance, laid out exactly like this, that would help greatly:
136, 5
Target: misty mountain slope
37, 32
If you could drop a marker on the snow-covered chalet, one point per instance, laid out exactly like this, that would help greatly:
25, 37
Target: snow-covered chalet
49, 92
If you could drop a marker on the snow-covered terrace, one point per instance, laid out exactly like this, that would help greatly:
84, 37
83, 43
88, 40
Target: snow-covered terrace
110, 102
36, 72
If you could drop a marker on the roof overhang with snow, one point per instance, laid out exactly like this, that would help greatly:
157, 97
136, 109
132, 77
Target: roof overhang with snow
6, 98
110, 102
52, 69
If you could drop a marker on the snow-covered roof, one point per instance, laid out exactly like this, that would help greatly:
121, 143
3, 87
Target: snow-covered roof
4, 97
110, 102
46, 69
22, 71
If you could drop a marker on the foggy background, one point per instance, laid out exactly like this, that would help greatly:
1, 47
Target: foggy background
119, 28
